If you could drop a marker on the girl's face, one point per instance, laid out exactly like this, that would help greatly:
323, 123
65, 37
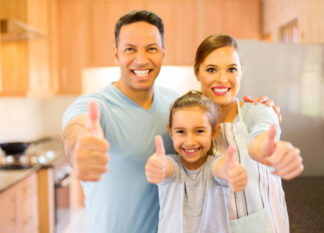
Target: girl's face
220, 74
191, 133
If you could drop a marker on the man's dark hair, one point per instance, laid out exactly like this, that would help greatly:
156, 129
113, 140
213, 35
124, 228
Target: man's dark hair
137, 16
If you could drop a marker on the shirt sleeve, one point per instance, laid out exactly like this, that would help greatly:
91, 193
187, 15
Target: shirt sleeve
176, 173
218, 180
259, 118
80, 107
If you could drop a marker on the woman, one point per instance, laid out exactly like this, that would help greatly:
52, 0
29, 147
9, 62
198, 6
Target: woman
254, 131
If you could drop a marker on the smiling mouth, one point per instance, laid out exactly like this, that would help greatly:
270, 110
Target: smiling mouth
141, 73
191, 152
221, 90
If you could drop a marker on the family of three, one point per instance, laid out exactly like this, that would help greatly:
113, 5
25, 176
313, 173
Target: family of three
204, 162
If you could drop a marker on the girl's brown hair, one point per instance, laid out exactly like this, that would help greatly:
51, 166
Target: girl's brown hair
197, 99
210, 44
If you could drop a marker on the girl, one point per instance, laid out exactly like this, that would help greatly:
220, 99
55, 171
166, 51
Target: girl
254, 131
193, 186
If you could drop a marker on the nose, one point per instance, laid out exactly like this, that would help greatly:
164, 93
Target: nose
141, 58
191, 139
221, 77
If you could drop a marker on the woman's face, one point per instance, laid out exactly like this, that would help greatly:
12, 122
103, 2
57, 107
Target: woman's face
220, 74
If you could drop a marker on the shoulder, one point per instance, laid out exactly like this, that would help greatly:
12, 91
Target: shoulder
165, 93
80, 105
258, 118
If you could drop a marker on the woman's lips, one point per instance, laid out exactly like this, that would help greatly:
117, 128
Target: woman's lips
220, 91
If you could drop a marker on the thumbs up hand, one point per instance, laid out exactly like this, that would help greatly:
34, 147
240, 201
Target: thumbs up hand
235, 172
90, 155
156, 165
283, 156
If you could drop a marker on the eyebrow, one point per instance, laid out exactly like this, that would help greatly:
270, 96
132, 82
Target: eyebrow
212, 65
149, 45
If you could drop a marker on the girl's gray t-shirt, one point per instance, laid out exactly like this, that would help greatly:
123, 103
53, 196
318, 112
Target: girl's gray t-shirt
193, 201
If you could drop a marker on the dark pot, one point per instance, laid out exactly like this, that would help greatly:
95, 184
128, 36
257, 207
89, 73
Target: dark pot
14, 147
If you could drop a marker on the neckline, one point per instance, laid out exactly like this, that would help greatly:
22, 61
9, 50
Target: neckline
132, 102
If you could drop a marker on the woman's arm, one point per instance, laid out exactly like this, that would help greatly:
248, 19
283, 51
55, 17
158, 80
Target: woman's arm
158, 166
281, 155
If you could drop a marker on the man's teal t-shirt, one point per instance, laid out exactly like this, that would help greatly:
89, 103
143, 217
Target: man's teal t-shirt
123, 201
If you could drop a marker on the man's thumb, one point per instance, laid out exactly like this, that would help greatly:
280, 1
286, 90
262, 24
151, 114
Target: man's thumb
159, 147
93, 117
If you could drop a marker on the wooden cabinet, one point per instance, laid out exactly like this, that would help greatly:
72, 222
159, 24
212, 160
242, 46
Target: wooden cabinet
19, 207
28, 67
86, 30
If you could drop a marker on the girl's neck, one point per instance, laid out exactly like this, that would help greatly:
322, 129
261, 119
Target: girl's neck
228, 112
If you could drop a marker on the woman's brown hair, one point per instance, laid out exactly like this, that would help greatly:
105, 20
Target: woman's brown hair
210, 44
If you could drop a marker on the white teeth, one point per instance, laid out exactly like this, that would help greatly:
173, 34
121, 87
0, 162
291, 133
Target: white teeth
190, 151
141, 73
220, 89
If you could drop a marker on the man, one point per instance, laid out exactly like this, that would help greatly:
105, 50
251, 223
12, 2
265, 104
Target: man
127, 114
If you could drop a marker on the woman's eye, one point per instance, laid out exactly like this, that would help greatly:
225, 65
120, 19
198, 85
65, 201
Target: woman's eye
211, 70
232, 69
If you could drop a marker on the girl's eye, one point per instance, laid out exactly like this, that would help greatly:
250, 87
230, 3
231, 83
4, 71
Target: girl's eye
180, 131
211, 70
199, 131
232, 69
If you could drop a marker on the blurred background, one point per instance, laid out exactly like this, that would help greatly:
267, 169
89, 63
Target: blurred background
52, 51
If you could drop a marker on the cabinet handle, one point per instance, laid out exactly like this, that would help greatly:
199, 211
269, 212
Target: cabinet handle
31, 218
26, 189
15, 210
63, 77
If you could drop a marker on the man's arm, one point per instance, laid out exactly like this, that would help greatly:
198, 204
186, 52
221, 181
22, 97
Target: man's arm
85, 146
70, 134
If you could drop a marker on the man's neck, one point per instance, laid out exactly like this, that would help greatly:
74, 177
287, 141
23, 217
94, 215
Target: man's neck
143, 98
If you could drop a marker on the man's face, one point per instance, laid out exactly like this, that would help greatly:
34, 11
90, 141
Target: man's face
140, 55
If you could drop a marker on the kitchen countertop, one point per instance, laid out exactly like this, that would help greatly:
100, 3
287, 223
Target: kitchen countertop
49, 145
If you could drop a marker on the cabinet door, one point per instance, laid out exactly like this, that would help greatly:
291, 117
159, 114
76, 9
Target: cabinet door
8, 211
28, 205
73, 42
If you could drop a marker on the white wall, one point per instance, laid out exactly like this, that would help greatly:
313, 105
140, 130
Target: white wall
29, 119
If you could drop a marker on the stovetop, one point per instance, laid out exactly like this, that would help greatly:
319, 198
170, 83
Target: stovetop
42, 152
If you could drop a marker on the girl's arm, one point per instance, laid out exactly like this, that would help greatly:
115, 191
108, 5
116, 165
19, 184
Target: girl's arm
228, 169
158, 166
281, 155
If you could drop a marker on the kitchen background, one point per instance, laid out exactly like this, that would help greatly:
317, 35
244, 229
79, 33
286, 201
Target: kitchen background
60, 49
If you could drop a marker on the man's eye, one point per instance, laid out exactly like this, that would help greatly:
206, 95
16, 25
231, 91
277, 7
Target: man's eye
152, 49
232, 69
211, 70
180, 131
129, 50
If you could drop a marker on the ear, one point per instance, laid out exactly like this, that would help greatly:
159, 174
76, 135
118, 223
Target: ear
197, 76
115, 51
169, 130
163, 52
215, 131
